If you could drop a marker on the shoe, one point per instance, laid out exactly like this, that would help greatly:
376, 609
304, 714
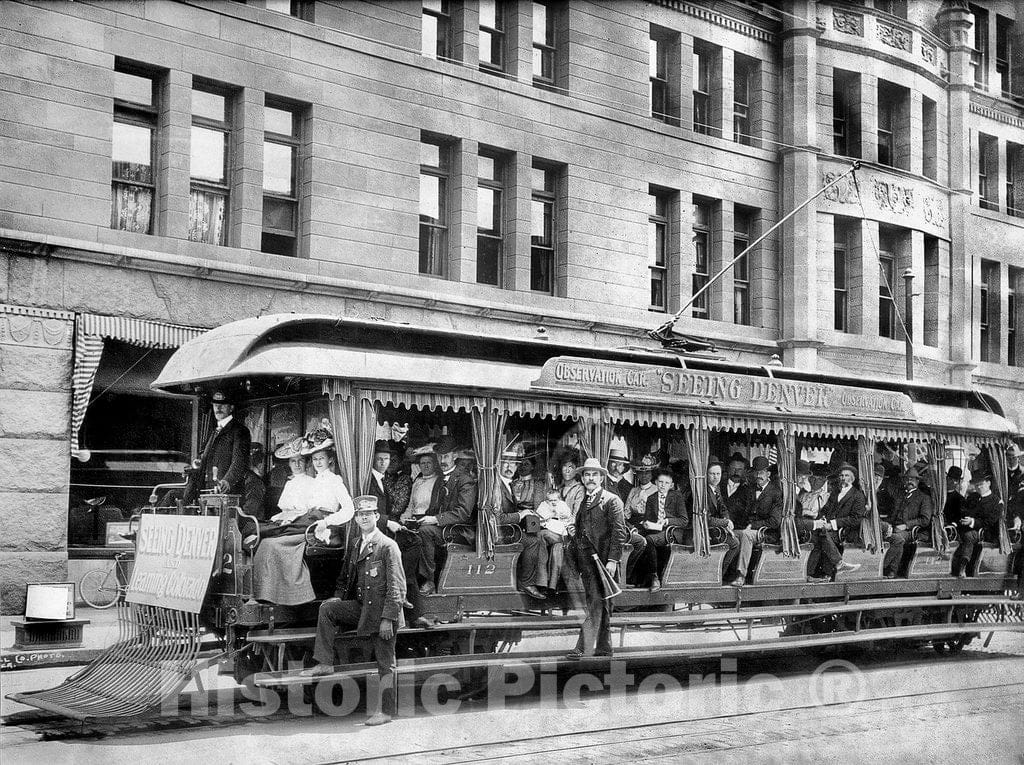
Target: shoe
249, 543
655, 585
817, 579
425, 622
889, 576
607, 653
426, 589
738, 582
318, 671
378, 719
844, 567
407, 605
533, 592
574, 655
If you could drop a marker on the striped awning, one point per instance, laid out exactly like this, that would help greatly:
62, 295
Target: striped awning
90, 332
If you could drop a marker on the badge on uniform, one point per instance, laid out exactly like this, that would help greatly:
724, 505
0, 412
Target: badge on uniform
373, 571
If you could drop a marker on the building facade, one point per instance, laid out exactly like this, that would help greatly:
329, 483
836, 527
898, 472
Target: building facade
577, 169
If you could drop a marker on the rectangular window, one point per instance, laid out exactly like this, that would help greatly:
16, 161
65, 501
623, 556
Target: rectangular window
544, 44
210, 178
1014, 176
702, 112
490, 227
930, 295
300, 9
743, 86
1004, 54
886, 283
659, 205
542, 228
701, 254
988, 172
886, 127
132, 180
1012, 357
743, 226
281, 126
845, 124
841, 264
929, 138
436, 36
434, 168
984, 310
981, 51
492, 35
659, 79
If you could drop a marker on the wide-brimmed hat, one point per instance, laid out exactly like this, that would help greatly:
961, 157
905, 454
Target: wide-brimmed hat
289, 449
912, 474
365, 502
618, 455
592, 463
399, 430
445, 444
647, 462
427, 450
317, 441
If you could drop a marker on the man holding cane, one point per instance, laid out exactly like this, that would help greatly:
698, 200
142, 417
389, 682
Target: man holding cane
599, 531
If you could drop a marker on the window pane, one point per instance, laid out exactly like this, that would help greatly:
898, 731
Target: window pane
431, 198
654, 58
280, 6
431, 250
278, 161
488, 214
540, 269
437, 6
540, 24
206, 217
540, 222
488, 259
658, 289
208, 149
132, 152
542, 179
278, 214
209, 105
133, 88
656, 243
430, 155
430, 40
277, 244
488, 14
131, 208
487, 168
278, 121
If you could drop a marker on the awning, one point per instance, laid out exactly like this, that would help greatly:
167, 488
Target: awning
90, 332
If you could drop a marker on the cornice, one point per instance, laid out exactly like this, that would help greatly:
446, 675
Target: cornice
719, 19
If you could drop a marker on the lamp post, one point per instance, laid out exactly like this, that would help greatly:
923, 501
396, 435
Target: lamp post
908, 320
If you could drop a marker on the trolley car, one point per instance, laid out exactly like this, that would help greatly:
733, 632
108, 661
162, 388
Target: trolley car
293, 371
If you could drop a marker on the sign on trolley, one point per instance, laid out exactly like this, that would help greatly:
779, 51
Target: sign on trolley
173, 561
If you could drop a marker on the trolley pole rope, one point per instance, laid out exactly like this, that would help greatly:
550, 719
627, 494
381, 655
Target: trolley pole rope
668, 325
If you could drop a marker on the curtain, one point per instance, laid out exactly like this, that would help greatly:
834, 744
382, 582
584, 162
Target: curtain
365, 435
595, 438
785, 443
131, 207
1000, 478
488, 434
206, 217
937, 479
870, 530
354, 421
697, 449
88, 350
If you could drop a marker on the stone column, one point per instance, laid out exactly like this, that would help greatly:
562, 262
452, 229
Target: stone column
517, 238
246, 163
466, 34
867, 108
519, 42
914, 260
173, 137
720, 294
35, 403
864, 272
722, 93
914, 136
462, 226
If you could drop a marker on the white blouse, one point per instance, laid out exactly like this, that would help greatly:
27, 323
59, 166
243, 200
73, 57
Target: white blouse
330, 495
296, 499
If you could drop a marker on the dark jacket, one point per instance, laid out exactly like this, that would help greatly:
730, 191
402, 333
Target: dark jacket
1015, 494
739, 504
228, 451
600, 528
766, 510
456, 499
986, 512
847, 512
621, 487
718, 509
675, 509
512, 509
953, 510
914, 510
376, 579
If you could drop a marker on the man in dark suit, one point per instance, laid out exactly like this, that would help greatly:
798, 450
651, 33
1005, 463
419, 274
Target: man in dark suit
719, 518
952, 509
599, 531
533, 560
369, 598
912, 510
456, 505
1014, 488
845, 508
765, 517
618, 464
983, 511
665, 509
226, 451
738, 494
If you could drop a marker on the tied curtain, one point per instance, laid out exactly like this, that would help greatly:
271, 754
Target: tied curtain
131, 207
785, 443
354, 419
1000, 479
488, 437
870, 527
595, 439
696, 439
937, 479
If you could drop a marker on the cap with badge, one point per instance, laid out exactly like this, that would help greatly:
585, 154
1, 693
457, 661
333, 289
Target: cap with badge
221, 397
365, 504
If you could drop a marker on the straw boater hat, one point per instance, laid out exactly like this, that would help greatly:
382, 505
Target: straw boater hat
364, 503
289, 449
317, 441
592, 463
512, 453
618, 455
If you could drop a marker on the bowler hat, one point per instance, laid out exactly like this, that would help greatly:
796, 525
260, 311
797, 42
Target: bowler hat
803, 467
955, 473
445, 444
980, 475
712, 461
592, 463
382, 447
848, 466
760, 463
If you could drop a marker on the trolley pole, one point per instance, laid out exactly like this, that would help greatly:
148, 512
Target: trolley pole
908, 320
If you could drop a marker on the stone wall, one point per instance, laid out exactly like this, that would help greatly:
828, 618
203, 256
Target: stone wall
35, 404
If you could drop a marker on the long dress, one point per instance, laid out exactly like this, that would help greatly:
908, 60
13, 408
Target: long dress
280, 573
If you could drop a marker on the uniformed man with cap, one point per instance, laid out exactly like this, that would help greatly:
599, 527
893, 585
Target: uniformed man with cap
226, 451
912, 510
369, 598
983, 511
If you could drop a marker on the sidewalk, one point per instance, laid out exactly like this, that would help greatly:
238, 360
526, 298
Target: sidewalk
100, 633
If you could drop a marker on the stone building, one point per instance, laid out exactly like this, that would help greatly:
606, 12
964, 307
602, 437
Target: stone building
504, 166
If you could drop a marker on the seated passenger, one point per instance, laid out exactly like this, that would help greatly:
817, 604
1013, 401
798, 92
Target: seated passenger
738, 494
426, 489
530, 489
563, 477
665, 509
718, 517
532, 567
280, 573
845, 509
456, 505
952, 509
982, 512
618, 463
765, 517
634, 508
911, 510
810, 501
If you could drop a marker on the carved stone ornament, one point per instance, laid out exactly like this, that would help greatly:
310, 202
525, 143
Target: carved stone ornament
928, 52
894, 37
34, 331
934, 211
842, 193
891, 196
848, 23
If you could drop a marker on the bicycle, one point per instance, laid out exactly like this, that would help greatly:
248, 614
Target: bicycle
104, 587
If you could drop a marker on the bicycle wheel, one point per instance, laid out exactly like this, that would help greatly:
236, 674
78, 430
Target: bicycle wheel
98, 588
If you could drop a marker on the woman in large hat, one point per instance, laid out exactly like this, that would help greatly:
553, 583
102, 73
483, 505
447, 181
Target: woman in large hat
564, 469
